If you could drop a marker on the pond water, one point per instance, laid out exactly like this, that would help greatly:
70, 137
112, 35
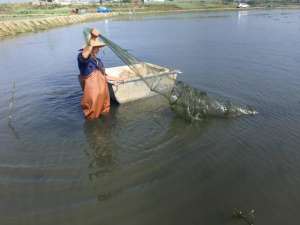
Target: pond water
143, 164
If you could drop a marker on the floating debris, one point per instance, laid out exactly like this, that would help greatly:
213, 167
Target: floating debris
247, 217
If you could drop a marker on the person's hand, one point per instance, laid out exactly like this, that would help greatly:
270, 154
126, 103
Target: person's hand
94, 33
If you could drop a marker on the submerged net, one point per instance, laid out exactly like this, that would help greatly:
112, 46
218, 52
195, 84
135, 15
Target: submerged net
193, 104
187, 102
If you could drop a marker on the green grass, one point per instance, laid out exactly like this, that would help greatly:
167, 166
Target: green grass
26, 10
64, 10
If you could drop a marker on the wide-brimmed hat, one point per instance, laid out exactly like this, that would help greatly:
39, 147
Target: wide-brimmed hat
95, 43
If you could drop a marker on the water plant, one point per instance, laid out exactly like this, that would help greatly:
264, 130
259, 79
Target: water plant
247, 217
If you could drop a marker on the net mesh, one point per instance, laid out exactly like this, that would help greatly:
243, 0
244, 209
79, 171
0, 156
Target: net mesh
158, 79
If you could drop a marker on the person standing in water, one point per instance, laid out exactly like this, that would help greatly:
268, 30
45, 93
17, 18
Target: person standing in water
93, 79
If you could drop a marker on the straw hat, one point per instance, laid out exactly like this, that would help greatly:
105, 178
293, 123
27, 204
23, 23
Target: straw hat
94, 43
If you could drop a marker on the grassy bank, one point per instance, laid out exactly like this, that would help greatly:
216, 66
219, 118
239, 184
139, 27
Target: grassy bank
25, 17
27, 10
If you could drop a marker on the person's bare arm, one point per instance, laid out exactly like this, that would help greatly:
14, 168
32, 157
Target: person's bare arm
87, 52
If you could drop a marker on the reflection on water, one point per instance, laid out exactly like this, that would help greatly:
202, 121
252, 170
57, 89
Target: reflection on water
11, 110
98, 136
242, 15
100, 153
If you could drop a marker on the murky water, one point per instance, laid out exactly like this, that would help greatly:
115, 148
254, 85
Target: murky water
143, 164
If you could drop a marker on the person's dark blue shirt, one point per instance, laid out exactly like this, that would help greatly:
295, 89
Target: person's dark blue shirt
87, 66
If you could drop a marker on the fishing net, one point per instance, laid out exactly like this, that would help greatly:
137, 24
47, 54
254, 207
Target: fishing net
158, 79
186, 101
193, 104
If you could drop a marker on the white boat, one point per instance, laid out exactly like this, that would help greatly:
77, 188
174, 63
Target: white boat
243, 5
144, 85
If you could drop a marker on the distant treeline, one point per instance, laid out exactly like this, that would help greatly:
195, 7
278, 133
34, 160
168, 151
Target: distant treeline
254, 2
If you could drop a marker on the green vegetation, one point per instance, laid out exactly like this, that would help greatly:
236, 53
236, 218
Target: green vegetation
25, 10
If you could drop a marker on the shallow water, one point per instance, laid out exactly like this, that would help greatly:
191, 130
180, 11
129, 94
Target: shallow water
143, 164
